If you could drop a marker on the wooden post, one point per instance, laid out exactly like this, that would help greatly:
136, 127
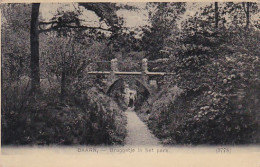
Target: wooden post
114, 65
145, 65
114, 68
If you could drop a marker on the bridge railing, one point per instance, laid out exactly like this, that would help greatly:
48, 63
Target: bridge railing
150, 68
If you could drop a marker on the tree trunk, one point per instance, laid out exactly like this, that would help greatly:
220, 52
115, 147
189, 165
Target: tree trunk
34, 42
216, 14
247, 14
63, 83
63, 76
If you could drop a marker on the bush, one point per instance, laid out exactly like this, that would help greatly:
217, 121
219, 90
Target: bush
218, 104
89, 118
202, 119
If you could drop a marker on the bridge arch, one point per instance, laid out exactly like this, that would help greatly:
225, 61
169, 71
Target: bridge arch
139, 84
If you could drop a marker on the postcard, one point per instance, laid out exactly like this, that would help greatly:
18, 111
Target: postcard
130, 83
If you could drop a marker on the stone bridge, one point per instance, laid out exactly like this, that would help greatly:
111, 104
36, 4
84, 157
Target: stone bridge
142, 77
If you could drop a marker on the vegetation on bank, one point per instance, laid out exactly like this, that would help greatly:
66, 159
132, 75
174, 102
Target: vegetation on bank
88, 118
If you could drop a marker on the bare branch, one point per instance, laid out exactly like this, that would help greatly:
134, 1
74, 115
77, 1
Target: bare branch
86, 27
46, 23
71, 26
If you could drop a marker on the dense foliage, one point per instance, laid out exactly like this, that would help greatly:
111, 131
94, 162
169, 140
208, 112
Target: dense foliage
217, 72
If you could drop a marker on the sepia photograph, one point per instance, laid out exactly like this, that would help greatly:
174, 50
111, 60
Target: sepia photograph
130, 74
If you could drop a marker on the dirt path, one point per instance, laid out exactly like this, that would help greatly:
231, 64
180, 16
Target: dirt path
138, 132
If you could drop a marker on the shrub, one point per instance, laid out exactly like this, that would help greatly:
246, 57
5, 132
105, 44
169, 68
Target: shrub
219, 104
89, 118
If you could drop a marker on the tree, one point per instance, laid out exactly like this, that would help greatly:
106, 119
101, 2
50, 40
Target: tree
163, 18
240, 13
216, 14
106, 12
246, 7
34, 38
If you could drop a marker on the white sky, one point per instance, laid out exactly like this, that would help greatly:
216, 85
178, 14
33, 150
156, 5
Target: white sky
132, 18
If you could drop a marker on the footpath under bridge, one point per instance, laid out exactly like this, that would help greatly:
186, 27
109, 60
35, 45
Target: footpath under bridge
150, 80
